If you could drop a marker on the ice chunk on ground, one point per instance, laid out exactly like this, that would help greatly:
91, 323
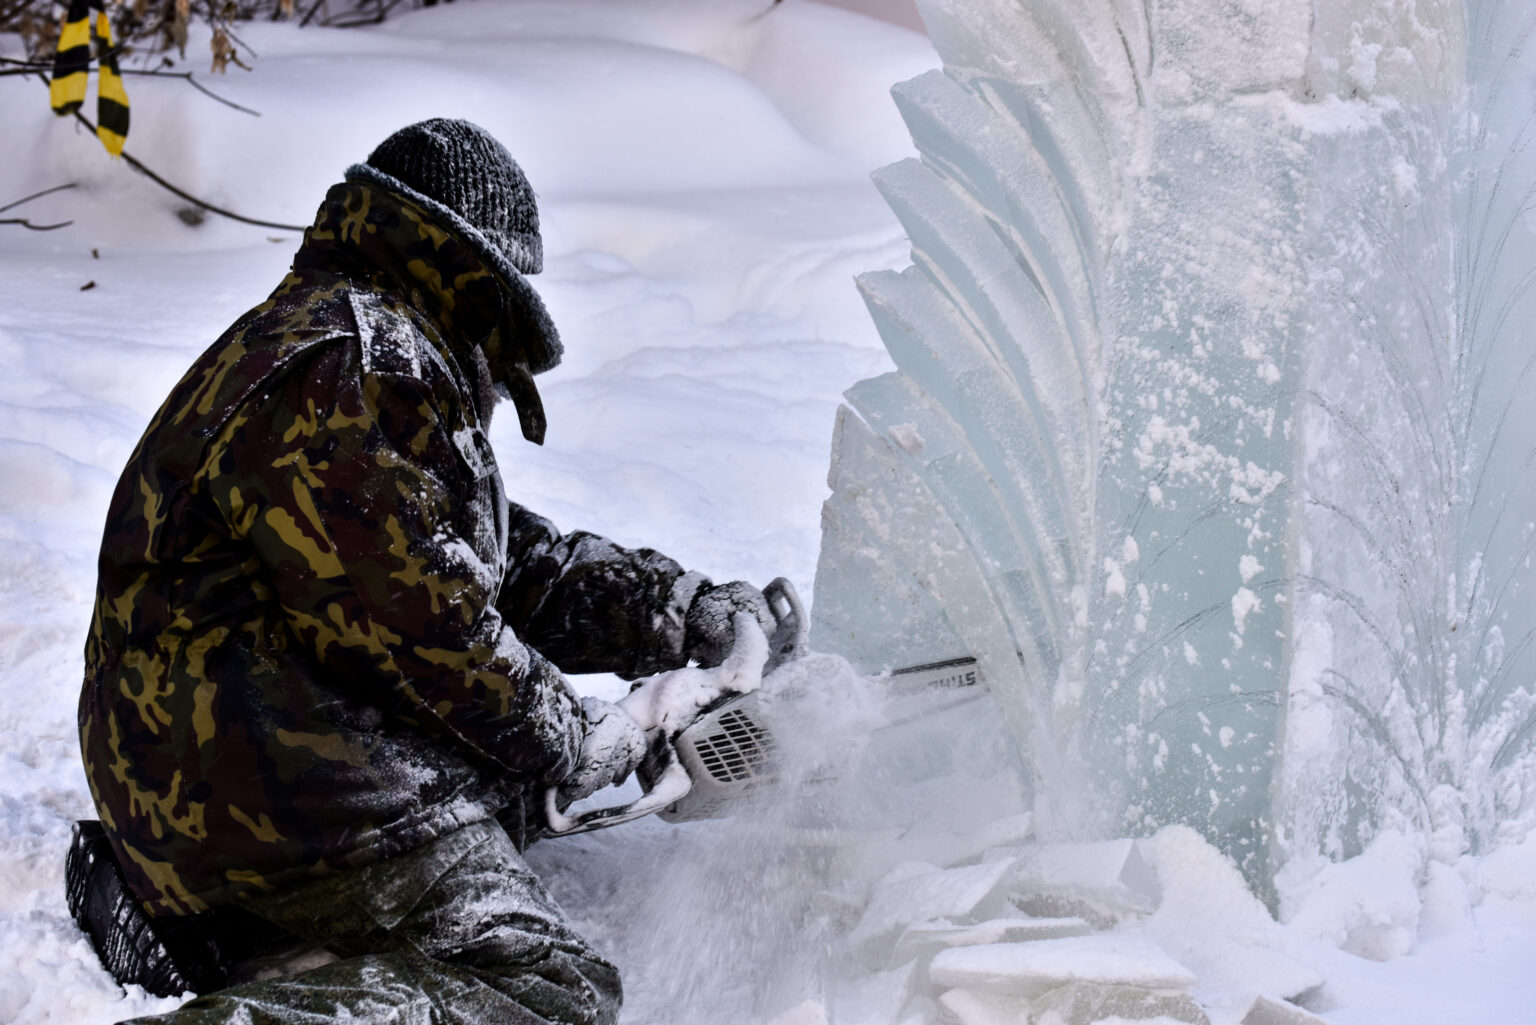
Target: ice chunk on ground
1030, 969
887, 848
921, 1011
962, 1007
876, 999
1088, 1003
950, 847
1104, 881
926, 939
1213, 924
967, 1007
809, 1012
917, 892
1268, 1011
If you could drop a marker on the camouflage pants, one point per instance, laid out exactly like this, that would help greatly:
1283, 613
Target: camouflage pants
457, 932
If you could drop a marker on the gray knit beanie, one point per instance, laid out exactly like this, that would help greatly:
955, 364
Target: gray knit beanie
460, 172
462, 166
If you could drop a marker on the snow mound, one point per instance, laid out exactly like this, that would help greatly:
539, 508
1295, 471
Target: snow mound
1368, 905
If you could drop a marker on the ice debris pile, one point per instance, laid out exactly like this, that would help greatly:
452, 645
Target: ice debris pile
898, 880
1018, 932
1211, 432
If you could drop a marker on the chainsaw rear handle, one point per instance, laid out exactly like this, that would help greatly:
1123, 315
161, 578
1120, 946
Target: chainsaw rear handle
672, 785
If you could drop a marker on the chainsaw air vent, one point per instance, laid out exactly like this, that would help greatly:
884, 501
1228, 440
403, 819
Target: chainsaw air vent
737, 750
728, 754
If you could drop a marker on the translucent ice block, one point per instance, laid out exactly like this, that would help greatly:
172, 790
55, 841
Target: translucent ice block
1213, 430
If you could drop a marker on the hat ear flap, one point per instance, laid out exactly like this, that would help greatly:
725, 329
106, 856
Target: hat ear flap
509, 363
537, 339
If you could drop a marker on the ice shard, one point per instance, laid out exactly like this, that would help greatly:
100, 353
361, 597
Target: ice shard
1210, 435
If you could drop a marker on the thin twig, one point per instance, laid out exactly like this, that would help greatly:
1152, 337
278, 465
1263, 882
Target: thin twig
358, 16
230, 32
194, 83
311, 13
212, 95
46, 63
34, 227
38, 195
28, 67
129, 159
152, 176
764, 12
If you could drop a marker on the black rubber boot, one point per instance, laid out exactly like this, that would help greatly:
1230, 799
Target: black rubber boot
167, 956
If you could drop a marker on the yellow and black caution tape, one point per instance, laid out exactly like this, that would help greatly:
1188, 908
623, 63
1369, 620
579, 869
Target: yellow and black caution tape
72, 64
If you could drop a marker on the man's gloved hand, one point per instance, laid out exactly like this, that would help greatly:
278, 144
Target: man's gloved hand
668, 703
614, 745
708, 634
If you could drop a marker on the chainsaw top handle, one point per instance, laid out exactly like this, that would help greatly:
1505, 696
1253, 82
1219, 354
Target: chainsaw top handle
791, 632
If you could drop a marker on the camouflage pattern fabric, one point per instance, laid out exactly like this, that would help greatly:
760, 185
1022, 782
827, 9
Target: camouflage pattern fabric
321, 634
459, 932
571, 597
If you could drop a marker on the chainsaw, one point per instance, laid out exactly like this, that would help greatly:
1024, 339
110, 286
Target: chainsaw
724, 749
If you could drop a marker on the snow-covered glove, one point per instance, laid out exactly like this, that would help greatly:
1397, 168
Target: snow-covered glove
613, 747
708, 634
668, 703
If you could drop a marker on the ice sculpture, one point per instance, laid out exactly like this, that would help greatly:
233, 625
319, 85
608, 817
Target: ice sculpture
1206, 436
1411, 682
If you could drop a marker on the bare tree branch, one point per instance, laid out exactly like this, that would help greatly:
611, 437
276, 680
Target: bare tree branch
194, 83
38, 195
17, 67
134, 163
27, 199
311, 13
34, 227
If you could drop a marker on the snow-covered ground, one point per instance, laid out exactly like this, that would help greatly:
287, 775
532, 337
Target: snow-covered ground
702, 170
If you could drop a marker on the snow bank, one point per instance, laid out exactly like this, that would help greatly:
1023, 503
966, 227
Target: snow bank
1368, 905
1213, 924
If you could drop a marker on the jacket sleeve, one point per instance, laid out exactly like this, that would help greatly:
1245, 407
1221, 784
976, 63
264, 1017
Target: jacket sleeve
592, 606
368, 514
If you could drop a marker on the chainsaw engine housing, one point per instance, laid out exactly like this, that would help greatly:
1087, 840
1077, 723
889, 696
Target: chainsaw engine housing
729, 754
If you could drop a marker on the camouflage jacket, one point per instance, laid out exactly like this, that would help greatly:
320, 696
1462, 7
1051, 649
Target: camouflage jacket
321, 634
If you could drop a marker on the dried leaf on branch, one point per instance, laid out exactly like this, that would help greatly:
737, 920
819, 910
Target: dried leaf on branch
154, 26
224, 52
176, 30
